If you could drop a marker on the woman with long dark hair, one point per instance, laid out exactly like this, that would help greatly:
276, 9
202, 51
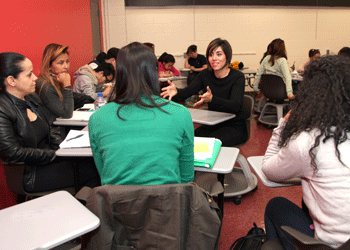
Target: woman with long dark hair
313, 142
139, 138
224, 93
275, 62
26, 135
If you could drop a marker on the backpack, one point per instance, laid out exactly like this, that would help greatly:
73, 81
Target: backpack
255, 238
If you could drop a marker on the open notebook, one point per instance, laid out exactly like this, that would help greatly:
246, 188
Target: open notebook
206, 151
76, 139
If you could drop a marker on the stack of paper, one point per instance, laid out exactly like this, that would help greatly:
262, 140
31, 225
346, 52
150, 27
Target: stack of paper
206, 151
76, 139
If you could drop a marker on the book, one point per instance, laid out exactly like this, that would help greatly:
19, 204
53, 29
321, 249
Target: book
76, 139
206, 150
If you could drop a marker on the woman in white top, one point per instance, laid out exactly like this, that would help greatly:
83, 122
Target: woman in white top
313, 142
275, 62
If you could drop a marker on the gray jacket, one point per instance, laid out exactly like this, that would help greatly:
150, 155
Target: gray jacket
85, 81
172, 216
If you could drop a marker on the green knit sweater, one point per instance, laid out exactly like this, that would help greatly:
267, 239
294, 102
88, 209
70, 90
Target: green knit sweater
149, 147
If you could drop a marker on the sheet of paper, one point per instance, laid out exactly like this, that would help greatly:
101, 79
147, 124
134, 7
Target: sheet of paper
78, 116
203, 147
90, 106
76, 139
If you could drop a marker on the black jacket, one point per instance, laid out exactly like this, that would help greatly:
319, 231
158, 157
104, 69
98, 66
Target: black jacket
17, 137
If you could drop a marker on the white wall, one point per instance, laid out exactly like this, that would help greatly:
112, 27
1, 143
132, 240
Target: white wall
248, 29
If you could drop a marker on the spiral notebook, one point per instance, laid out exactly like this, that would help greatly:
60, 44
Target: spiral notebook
206, 150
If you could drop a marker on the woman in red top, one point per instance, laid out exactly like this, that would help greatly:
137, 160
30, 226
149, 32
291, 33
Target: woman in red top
166, 66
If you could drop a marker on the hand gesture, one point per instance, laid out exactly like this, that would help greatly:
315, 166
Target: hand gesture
64, 79
291, 96
206, 97
169, 91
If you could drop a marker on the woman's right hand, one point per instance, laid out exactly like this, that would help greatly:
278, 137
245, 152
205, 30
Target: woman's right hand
291, 96
64, 79
169, 91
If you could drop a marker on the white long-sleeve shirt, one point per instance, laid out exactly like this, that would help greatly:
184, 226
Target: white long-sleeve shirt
280, 68
326, 191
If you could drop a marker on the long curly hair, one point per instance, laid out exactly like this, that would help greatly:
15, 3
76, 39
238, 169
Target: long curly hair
322, 103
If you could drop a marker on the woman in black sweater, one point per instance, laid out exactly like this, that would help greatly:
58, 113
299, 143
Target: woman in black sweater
225, 90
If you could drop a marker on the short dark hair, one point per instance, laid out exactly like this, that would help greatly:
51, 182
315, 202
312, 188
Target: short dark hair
166, 58
313, 52
226, 48
10, 65
345, 51
112, 53
136, 76
191, 48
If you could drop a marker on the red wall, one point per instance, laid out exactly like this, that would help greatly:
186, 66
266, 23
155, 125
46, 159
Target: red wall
27, 26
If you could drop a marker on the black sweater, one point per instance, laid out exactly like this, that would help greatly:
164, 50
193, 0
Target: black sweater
227, 92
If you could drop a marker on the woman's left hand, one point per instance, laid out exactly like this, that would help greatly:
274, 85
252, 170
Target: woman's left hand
206, 97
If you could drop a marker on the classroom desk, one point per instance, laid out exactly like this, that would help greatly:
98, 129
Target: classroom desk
201, 116
256, 164
223, 165
45, 222
208, 117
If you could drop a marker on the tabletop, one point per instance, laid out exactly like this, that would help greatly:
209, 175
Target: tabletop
45, 222
256, 164
208, 117
201, 116
223, 164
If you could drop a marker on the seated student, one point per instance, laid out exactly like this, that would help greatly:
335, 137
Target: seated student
224, 93
313, 55
195, 62
312, 142
88, 77
54, 82
275, 62
166, 66
26, 135
139, 138
345, 51
109, 57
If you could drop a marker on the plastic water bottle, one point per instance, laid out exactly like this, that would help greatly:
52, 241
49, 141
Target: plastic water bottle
99, 102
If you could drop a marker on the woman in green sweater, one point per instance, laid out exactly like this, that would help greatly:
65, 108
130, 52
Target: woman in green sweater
139, 138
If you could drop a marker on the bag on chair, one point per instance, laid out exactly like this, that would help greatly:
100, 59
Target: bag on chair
255, 238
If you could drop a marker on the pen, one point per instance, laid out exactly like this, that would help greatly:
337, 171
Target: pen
75, 137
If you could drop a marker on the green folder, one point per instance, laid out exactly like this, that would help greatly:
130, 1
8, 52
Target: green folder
209, 162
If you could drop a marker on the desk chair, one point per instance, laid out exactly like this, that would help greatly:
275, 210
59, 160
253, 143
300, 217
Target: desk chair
14, 176
241, 180
274, 90
302, 242
171, 216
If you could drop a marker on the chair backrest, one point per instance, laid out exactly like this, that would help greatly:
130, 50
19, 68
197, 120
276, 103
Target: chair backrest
171, 216
14, 174
273, 87
14, 179
247, 114
304, 242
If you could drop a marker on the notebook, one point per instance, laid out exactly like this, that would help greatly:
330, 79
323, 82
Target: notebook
206, 150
